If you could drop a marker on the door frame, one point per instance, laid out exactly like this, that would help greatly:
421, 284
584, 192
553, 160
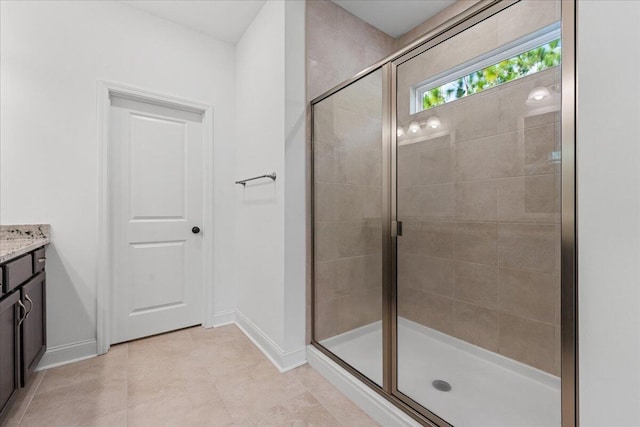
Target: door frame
104, 279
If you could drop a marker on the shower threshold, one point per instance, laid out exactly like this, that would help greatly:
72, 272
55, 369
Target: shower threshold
487, 389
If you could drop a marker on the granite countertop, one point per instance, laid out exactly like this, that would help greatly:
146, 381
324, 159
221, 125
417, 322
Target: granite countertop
16, 240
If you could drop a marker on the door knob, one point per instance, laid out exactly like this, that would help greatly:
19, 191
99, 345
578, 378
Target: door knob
195, 230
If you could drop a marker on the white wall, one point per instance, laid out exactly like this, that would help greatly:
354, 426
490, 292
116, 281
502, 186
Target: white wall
52, 56
295, 177
259, 150
608, 154
270, 137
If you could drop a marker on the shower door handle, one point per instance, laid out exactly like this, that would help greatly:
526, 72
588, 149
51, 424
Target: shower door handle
396, 228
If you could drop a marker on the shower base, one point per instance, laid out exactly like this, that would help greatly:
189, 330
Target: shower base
487, 389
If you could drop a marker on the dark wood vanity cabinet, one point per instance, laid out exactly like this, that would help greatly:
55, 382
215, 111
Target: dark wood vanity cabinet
23, 333
33, 328
10, 315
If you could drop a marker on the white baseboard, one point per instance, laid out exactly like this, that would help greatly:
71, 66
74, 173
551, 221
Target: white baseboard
223, 318
378, 408
68, 353
283, 360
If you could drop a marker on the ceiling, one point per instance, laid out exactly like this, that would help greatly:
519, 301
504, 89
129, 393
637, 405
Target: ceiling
227, 20
224, 20
394, 17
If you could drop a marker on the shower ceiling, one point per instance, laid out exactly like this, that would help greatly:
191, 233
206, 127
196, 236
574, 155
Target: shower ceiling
394, 17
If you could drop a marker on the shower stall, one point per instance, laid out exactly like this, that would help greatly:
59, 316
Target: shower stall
443, 211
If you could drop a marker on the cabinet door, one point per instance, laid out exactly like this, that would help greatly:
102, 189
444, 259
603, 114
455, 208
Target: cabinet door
9, 374
34, 334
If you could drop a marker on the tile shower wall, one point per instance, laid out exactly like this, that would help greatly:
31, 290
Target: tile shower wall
348, 208
348, 181
339, 45
480, 204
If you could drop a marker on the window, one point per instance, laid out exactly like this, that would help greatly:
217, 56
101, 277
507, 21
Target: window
535, 53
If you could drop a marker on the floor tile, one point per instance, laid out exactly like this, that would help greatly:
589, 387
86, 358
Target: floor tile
78, 404
301, 410
192, 377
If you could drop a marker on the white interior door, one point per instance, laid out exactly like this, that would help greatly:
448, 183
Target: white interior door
156, 181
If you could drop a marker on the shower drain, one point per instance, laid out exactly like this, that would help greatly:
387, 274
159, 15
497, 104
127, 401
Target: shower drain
441, 385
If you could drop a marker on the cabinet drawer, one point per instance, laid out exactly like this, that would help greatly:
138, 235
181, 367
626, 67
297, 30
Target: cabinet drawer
17, 272
39, 260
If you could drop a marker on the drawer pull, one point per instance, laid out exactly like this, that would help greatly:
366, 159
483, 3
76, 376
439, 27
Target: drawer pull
41, 260
24, 311
26, 316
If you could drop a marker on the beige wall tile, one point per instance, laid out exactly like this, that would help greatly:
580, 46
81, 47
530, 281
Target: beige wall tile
541, 119
529, 294
359, 274
358, 310
428, 274
351, 27
323, 122
409, 304
322, 38
475, 116
436, 312
436, 239
476, 159
434, 201
540, 194
326, 198
476, 283
539, 144
326, 281
352, 238
361, 167
512, 107
409, 271
326, 318
509, 155
429, 162
325, 240
325, 163
364, 96
321, 11
372, 55
437, 275
411, 240
524, 18
476, 200
476, 242
356, 203
477, 325
529, 342
320, 78
513, 206
357, 130
350, 275
528, 247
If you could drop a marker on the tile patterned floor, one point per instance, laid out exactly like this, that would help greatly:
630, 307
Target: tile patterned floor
192, 377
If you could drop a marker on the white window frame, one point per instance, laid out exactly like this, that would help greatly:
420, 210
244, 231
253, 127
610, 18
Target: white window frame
509, 50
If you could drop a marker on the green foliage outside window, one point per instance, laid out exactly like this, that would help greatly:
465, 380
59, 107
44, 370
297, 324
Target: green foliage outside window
532, 61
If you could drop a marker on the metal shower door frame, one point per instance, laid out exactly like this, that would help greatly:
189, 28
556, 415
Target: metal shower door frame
569, 337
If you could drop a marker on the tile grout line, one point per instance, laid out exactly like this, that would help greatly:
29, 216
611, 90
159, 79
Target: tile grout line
325, 406
30, 396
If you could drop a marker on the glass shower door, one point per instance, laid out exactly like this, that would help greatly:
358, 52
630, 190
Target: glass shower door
478, 196
347, 212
